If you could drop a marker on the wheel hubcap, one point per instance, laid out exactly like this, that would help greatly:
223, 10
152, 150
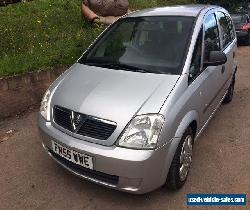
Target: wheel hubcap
186, 157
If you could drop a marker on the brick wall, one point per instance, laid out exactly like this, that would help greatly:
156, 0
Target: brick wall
18, 93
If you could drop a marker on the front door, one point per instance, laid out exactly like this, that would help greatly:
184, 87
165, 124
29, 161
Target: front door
212, 74
229, 46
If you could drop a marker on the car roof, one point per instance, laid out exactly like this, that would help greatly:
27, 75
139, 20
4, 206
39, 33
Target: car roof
181, 10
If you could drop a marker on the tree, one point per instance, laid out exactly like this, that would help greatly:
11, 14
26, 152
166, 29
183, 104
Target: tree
231, 5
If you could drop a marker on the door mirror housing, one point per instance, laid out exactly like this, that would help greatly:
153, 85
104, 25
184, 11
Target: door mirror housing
216, 58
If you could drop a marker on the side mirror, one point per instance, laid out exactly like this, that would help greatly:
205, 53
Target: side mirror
216, 58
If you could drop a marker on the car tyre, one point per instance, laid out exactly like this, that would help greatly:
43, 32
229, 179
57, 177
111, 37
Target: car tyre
181, 163
230, 92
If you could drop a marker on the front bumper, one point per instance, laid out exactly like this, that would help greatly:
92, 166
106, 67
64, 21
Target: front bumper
134, 171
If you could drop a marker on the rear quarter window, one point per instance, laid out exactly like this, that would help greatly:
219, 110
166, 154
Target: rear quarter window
231, 27
225, 29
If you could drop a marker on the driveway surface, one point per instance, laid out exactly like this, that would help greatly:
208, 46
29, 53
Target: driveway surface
30, 179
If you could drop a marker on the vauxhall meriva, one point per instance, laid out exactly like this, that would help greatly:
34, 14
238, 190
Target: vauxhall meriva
127, 113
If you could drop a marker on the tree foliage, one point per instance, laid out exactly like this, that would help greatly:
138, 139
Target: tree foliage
231, 5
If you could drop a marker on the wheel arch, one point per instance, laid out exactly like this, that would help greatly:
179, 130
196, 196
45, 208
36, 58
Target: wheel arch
191, 119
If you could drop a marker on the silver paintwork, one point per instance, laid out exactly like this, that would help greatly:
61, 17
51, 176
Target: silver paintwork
112, 95
182, 10
118, 96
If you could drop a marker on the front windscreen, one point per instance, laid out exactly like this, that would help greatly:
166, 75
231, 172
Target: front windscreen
146, 44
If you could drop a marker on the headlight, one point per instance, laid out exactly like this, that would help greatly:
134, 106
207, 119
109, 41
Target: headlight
142, 132
45, 106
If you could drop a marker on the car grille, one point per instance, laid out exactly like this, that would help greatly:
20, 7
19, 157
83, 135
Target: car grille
84, 125
96, 175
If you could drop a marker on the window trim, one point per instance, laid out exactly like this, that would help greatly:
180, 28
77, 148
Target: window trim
191, 80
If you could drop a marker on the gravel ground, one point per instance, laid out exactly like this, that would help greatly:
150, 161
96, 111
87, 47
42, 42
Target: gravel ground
29, 179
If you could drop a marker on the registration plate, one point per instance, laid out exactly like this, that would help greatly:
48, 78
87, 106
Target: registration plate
73, 156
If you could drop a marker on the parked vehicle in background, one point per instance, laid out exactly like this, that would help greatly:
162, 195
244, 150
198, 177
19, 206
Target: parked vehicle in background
242, 27
127, 114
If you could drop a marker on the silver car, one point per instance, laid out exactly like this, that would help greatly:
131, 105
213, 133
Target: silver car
127, 114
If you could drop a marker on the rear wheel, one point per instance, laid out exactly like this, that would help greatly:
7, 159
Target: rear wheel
181, 163
230, 92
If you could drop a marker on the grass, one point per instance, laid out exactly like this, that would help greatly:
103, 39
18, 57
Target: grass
47, 33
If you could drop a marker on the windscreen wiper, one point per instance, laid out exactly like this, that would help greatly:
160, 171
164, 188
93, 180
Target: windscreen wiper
117, 65
124, 66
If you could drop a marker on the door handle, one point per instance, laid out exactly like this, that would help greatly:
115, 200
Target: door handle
223, 69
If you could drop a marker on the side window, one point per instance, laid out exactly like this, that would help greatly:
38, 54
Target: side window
224, 28
211, 39
195, 67
231, 27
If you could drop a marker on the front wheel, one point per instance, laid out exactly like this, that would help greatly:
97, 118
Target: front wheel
181, 163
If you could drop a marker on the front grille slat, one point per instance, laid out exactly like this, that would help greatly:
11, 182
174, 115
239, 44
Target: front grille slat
98, 128
92, 131
92, 127
62, 118
89, 126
